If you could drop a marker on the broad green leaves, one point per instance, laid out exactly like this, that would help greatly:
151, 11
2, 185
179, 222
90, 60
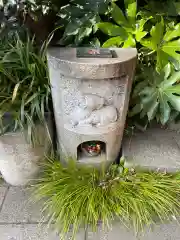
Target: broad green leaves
128, 29
82, 17
118, 15
172, 33
113, 42
163, 40
112, 30
167, 46
80, 27
131, 9
158, 96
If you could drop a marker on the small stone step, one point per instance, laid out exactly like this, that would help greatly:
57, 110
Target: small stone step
153, 149
168, 231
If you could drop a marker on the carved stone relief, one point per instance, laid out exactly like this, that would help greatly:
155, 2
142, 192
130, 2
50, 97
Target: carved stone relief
93, 103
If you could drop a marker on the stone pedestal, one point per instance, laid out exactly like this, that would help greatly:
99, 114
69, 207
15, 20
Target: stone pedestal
19, 160
90, 97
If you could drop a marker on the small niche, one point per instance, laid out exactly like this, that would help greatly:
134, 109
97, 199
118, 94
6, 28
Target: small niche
91, 151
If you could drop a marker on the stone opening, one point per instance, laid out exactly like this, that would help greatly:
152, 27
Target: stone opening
91, 150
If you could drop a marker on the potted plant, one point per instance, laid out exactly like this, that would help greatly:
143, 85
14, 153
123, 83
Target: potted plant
24, 100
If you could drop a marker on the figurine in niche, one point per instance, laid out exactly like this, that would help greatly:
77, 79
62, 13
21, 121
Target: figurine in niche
92, 111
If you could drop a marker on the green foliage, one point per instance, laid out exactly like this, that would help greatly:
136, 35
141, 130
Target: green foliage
128, 28
82, 17
163, 40
168, 8
157, 39
24, 84
159, 95
76, 196
127, 23
8, 18
35, 16
167, 46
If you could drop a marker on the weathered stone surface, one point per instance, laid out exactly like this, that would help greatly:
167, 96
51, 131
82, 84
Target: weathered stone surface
169, 231
65, 61
19, 208
18, 159
155, 148
26, 232
31, 232
174, 127
90, 98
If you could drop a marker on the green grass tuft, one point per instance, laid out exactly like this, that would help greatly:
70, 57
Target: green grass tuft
77, 196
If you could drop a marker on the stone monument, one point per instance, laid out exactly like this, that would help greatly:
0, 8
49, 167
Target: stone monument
90, 91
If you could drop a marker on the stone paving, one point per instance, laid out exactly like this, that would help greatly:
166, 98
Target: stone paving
20, 218
154, 148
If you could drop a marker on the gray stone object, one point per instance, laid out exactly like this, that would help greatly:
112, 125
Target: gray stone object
19, 160
154, 149
90, 98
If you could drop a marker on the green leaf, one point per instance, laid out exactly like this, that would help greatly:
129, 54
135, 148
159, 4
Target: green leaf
72, 28
172, 80
135, 110
161, 94
95, 42
146, 92
142, 22
167, 70
147, 43
112, 29
174, 88
131, 9
157, 34
177, 5
175, 101
118, 15
140, 35
167, 49
164, 110
153, 109
130, 42
172, 48
83, 32
138, 88
162, 60
113, 42
171, 34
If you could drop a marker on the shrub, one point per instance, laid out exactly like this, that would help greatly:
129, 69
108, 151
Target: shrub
76, 196
37, 17
157, 39
82, 17
159, 96
24, 84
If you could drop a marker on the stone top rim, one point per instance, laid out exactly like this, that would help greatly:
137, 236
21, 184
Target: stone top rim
68, 56
65, 61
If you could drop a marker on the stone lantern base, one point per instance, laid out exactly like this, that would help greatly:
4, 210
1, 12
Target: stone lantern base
90, 97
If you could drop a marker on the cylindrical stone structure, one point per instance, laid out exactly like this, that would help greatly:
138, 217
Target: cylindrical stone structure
90, 98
